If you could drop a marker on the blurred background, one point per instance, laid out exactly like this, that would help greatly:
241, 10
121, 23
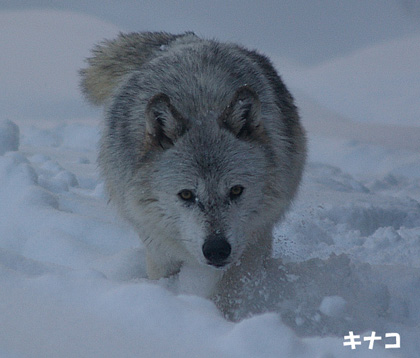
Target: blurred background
357, 59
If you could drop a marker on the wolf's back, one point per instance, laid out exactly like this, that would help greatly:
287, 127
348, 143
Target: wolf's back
113, 59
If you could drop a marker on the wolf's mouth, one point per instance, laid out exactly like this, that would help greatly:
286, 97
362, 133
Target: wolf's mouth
220, 265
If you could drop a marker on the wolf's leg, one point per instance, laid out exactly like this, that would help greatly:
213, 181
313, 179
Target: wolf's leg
157, 269
154, 271
240, 288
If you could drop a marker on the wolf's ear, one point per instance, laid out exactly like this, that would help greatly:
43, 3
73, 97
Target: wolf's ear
164, 124
242, 115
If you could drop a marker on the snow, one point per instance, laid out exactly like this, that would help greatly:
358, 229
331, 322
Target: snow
45, 48
72, 273
379, 84
333, 306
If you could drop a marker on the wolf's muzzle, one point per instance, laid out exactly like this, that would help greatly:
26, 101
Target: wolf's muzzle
216, 250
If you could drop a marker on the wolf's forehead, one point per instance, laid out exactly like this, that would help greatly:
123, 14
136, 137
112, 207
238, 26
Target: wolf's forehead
222, 160
210, 156
212, 149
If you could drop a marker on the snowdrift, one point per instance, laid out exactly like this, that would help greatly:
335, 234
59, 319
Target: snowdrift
377, 84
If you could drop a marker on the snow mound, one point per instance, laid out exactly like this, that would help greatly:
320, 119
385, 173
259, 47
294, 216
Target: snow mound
333, 306
56, 42
379, 84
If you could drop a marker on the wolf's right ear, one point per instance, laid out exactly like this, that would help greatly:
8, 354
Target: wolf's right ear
164, 124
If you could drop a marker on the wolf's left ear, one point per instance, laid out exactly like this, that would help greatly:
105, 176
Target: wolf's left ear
164, 124
243, 115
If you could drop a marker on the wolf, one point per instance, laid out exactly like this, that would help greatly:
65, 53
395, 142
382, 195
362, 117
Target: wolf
202, 150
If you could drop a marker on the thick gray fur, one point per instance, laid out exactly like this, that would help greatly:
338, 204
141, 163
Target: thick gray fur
184, 113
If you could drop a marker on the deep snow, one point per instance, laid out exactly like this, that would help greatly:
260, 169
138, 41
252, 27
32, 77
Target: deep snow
72, 274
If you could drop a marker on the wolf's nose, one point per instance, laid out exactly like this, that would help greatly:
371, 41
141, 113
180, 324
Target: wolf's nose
216, 250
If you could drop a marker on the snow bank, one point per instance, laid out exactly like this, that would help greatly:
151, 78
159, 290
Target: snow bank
378, 84
45, 50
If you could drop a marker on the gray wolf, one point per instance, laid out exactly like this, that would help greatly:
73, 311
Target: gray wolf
202, 149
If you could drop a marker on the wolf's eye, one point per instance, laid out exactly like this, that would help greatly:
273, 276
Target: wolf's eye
186, 195
236, 191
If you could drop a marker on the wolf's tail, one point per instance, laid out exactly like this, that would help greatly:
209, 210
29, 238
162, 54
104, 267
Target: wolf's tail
112, 59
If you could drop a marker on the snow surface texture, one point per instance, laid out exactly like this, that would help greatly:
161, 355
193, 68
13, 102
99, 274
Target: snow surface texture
72, 274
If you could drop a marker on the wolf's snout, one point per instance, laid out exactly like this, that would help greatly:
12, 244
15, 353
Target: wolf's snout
216, 250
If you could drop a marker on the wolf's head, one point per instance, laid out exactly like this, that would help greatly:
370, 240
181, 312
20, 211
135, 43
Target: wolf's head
210, 175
